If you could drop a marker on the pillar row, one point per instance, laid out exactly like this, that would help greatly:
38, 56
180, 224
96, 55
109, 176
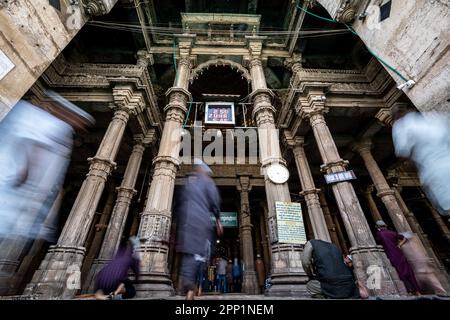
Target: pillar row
59, 272
424, 267
366, 254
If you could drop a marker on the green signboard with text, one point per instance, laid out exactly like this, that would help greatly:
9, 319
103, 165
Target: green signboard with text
228, 219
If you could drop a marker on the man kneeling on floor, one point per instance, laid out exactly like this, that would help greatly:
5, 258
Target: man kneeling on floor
331, 277
112, 281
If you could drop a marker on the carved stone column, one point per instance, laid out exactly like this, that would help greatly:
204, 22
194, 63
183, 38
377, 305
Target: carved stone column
288, 276
332, 228
437, 218
249, 280
366, 254
156, 219
424, 267
264, 242
309, 190
372, 205
63, 261
99, 233
119, 214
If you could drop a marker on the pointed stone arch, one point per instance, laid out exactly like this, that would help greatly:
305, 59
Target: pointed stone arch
219, 62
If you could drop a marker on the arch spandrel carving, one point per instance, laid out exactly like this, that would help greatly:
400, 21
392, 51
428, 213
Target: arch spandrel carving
219, 62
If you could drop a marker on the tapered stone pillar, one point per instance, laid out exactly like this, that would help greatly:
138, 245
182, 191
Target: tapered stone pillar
59, 272
372, 205
309, 191
332, 228
264, 242
367, 256
154, 228
99, 231
249, 280
424, 267
288, 276
437, 218
125, 193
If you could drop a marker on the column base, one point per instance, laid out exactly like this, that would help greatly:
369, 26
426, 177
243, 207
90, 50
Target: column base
250, 282
89, 282
58, 276
373, 269
7, 270
152, 285
288, 277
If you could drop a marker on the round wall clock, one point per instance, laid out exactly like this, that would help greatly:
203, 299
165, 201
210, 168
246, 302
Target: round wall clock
278, 173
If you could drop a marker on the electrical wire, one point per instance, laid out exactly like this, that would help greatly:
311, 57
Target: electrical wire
355, 33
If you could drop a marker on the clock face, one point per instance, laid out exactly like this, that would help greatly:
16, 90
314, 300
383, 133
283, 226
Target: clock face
278, 173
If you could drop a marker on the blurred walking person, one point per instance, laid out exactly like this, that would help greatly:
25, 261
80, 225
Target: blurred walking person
425, 139
35, 150
199, 201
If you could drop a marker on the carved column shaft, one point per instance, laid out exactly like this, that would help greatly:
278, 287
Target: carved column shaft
287, 272
310, 193
68, 254
119, 213
156, 218
332, 227
372, 205
424, 267
364, 249
249, 280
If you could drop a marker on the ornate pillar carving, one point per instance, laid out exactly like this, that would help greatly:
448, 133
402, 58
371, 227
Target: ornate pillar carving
249, 280
309, 190
372, 205
154, 228
125, 193
424, 267
365, 252
63, 261
288, 276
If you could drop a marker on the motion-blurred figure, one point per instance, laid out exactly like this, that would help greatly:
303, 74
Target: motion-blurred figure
425, 138
392, 242
112, 282
199, 200
35, 149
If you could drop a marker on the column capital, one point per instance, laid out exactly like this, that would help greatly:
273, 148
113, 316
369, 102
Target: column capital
384, 116
244, 184
312, 105
126, 98
362, 146
144, 58
293, 141
145, 139
255, 45
294, 63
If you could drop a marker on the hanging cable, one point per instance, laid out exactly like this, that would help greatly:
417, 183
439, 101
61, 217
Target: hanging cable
355, 33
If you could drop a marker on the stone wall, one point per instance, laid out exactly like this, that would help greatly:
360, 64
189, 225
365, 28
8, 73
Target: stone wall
414, 39
32, 34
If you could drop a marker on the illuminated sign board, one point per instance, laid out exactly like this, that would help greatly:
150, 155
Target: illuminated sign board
219, 113
339, 176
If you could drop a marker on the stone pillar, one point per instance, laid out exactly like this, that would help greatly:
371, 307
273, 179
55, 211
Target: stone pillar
249, 280
264, 242
119, 214
58, 274
332, 228
154, 228
437, 218
424, 267
99, 233
288, 276
372, 205
309, 190
367, 256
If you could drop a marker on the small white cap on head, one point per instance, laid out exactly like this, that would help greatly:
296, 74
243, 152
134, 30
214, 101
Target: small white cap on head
381, 223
